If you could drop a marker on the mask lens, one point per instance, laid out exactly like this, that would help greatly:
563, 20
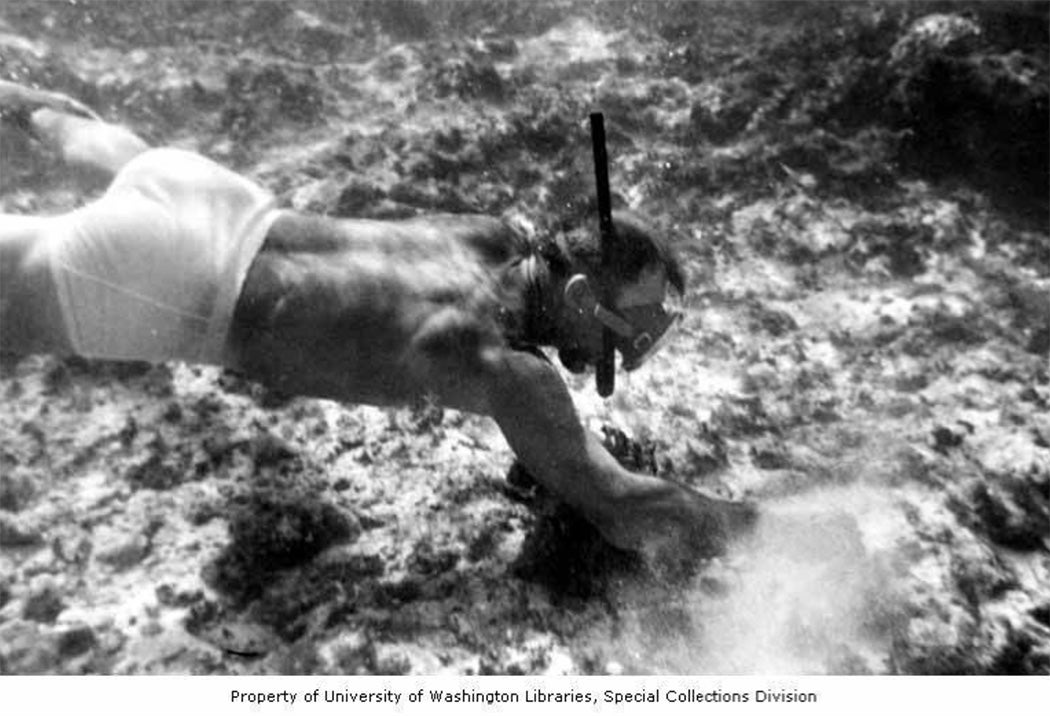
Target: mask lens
653, 325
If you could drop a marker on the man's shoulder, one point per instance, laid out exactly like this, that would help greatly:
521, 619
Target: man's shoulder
491, 237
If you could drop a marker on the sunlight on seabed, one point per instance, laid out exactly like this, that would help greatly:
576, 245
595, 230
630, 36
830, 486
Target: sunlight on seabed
576, 40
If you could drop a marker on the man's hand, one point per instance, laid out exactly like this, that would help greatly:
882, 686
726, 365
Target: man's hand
674, 526
18, 103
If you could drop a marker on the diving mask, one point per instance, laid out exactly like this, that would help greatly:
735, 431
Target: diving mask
640, 330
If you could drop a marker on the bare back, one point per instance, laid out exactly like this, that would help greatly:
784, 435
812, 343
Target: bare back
375, 308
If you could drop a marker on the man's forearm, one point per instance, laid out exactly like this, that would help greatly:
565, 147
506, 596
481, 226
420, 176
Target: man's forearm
535, 412
667, 520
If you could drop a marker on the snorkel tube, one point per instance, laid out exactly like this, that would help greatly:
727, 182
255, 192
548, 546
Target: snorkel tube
605, 373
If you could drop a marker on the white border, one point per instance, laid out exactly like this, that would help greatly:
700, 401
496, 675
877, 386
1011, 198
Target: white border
835, 695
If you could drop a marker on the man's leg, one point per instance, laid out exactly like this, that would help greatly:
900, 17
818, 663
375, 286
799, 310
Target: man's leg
87, 143
79, 135
31, 321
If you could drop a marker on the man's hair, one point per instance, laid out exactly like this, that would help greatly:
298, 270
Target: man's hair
635, 246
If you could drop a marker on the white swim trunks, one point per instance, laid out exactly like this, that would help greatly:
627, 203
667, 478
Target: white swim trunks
152, 270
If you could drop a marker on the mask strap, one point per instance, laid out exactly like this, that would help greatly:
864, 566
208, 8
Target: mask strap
613, 322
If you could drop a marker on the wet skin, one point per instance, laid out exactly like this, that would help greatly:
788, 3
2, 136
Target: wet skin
385, 313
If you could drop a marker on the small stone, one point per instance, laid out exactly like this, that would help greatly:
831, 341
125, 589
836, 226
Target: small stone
165, 594
945, 438
120, 550
1030, 395
43, 605
76, 641
241, 638
1006, 520
17, 489
268, 449
172, 412
714, 586
1039, 341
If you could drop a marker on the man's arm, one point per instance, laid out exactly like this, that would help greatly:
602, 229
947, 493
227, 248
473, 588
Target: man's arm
311, 323
669, 522
87, 143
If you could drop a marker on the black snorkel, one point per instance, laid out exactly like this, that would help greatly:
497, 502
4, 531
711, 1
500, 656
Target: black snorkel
605, 373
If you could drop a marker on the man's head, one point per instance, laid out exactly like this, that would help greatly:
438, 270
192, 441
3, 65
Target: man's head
626, 295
